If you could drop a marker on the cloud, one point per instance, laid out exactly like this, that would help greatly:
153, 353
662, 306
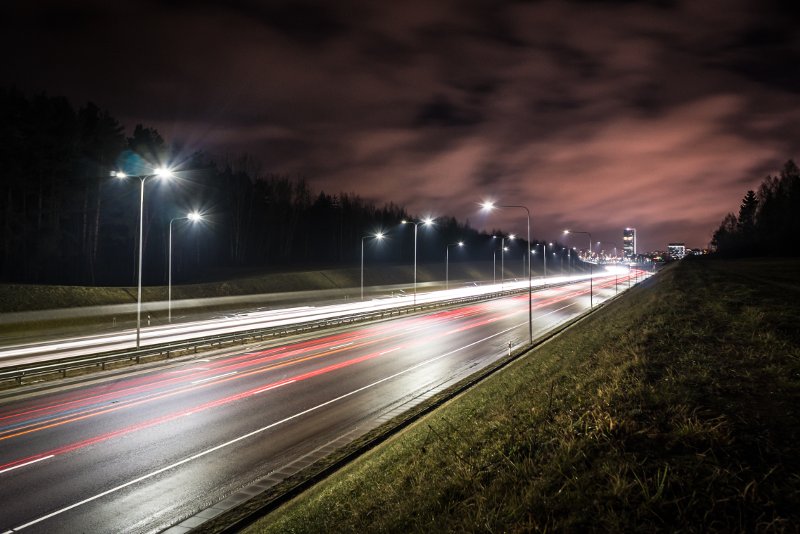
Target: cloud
596, 114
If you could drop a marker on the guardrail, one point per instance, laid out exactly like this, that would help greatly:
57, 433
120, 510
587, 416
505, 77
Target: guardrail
167, 350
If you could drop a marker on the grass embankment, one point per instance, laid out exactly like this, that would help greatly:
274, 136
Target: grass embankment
675, 407
283, 289
29, 297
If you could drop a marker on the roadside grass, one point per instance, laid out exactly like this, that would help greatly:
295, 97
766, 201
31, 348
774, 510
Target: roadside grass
29, 297
673, 408
284, 289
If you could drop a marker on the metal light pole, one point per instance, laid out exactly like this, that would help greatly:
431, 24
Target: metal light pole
503, 259
502, 263
159, 173
616, 275
425, 222
378, 236
447, 263
544, 263
523, 263
591, 271
569, 261
490, 206
554, 259
194, 217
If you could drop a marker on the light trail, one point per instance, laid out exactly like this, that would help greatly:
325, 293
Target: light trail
40, 351
242, 437
234, 364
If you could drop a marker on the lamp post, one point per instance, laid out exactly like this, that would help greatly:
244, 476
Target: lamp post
569, 261
616, 274
503, 249
425, 222
608, 243
378, 236
447, 262
489, 206
159, 173
591, 271
194, 217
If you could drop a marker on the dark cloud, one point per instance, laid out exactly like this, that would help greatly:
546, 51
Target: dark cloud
595, 114
440, 111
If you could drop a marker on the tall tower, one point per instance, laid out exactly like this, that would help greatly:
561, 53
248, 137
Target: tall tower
629, 242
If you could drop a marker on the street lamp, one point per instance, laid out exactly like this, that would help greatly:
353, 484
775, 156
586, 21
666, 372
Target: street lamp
447, 263
616, 260
503, 249
490, 206
591, 272
193, 217
599, 243
494, 264
162, 173
544, 264
569, 261
427, 221
377, 235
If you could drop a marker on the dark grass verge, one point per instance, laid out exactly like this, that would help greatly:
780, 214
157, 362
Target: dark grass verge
29, 297
279, 289
674, 408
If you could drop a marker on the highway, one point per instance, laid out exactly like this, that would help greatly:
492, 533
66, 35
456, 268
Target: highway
143, 450
91, 343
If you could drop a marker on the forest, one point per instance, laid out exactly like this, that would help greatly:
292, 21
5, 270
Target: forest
66, 220
768, 223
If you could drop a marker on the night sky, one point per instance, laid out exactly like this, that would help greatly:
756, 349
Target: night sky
596, 115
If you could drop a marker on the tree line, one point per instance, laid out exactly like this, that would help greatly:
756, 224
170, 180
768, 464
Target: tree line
65, 220
768, 223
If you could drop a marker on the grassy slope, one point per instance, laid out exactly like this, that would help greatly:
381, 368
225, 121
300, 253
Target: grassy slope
674, 408
18, 297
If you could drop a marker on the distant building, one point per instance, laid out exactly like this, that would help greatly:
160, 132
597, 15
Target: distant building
629, 242
676, 250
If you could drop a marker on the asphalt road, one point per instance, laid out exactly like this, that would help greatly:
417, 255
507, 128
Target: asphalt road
141, 452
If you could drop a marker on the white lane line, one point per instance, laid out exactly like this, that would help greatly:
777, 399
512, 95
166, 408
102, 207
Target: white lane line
341, 346
214, 377
26, 463
274, 386
265, 428
189, 370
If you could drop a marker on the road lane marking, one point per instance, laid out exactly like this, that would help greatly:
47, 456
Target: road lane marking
27, 463
273, 386
213, 377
